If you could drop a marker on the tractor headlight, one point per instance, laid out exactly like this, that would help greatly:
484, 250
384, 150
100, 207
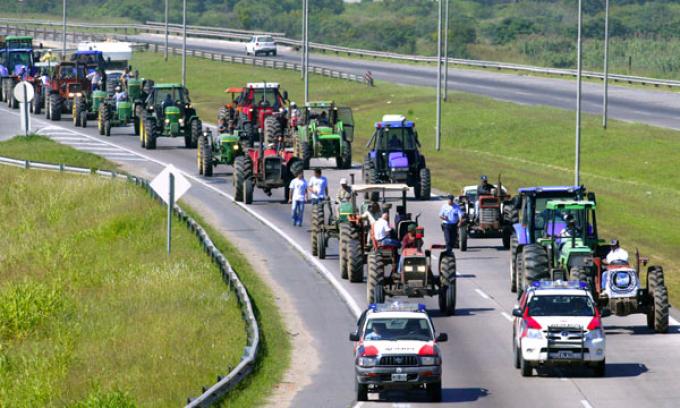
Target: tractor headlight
79, 94
167, 121
181, 121
408, 268
71, 94
235, 147
251, 109
422, 268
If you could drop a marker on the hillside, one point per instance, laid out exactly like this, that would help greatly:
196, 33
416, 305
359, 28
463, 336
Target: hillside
541, 32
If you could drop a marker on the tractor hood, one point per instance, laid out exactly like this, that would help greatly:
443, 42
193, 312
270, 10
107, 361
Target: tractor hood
227, 138
397, 160
172, 113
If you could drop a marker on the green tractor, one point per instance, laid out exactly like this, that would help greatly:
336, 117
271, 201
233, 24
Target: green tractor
86, 107
169, 114
138, 90
113, 113
223, 149
326, 131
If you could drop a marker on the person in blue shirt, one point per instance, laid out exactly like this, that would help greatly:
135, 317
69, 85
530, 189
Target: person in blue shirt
451, 216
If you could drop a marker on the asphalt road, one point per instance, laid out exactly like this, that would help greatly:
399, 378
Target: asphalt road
650, 106
642, 367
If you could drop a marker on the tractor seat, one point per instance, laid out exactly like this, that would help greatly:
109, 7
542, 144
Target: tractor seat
376, 245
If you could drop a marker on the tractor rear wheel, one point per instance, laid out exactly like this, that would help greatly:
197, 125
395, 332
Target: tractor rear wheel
37, 103
660, 309
307, 153
535, 261
317, 221
107, 127
75, 112
655, 278
321, 244
507, 233
55, 107
344, 161
100, 120
205, 152
12, 103
243, 172
149, 134
272, 130
139, 113
342, 248
355, 261
376, 273
519, 272
195, 129
462, 238
373, 179
513, 263
424, 184
447, 285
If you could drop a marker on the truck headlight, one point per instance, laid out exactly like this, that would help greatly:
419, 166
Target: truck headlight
366, 361
430, 360
534, 334
595, 336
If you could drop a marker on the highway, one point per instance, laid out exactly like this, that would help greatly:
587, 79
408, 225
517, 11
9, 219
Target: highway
642, 367
645, 105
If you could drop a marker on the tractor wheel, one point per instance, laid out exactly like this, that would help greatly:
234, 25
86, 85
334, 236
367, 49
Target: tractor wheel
83, 118
149, 134
447, 285
513, 263
100, 120
519, 272
296, 167
434, 391
142, 133
510, 214
243, 171
507, 233
47, 107
524, 366
424, 183
196, 129
535, 261
600, 368
272, 130
206, 157
37, 103
107, 127
376, 273
462, 238
373, 179
321, 244
250, 133
355, 261
317, 221
655, 278
55, 107
12, 103
660, 309
307, 153
3, 91
342, 248
139, 113
75, 112
344, 161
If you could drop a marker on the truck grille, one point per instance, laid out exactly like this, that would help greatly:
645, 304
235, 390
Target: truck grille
399, 361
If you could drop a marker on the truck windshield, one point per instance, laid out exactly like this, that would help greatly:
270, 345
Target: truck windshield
561, 305
396, 139
398, 329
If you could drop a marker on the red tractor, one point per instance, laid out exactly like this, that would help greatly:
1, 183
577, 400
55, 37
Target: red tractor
266, 168
68, 86
260, 107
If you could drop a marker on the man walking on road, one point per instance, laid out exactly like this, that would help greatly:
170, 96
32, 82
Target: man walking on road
318, 187
298, 196
451, 216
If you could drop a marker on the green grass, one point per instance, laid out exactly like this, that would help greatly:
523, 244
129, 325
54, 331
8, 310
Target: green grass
42, 149
93, 312
630, 166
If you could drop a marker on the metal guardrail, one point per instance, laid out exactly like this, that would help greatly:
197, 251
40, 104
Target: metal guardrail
223, 33
217, 29
214, 56
223, 384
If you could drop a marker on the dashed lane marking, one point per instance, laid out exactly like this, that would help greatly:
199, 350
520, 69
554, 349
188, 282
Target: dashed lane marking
586, 404
507, 316
482, 294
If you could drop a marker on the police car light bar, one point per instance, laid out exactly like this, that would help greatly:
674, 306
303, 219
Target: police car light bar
572, 284
397, 307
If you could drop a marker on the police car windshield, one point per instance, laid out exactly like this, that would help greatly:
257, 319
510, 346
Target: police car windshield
396, 139
560, 305
417, 329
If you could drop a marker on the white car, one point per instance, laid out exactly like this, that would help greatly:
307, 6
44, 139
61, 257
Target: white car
261, 44
557, 323
395, 347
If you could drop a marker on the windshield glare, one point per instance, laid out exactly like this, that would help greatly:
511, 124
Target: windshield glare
560, 305
398, 329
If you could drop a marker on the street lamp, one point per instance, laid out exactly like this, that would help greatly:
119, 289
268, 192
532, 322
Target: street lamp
577, 164
605, 101
446, 51
63, 49
306, 51
184, 43
166, 30
438, 130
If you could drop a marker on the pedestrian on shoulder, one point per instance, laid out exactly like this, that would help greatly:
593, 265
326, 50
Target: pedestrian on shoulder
298, 196
318, 187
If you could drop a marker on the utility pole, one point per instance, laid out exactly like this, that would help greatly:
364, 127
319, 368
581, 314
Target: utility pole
577, 166
166, 30
438, 131
302, 38
605, 101
184, 43
446, 50
63, 35
306, 64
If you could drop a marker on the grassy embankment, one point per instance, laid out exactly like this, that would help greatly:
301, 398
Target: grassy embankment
630, 166
92, 310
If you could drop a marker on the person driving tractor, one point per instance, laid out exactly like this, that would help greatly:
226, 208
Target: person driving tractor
484, 188
409, 241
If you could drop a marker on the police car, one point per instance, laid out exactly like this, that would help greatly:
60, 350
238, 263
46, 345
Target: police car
395, 347
557, 323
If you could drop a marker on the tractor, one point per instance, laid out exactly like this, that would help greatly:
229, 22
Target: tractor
212, 151
395, 157
490, 222
113, 113
526, 212
68, 86
260, 107
138, 89
325, 130
574, 251
266, 168
169, 114
17, 64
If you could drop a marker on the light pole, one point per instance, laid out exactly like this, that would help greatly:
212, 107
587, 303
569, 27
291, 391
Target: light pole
438, 131
306, 64
184, 43
302, 38
166, 30
605, 101
446, 50
63, 49
577, 166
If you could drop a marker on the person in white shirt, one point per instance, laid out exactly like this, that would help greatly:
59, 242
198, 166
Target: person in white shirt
345, 192
318, 187
298, 196
382, 231
616, 253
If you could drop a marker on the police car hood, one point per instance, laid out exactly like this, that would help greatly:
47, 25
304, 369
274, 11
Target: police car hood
394, 347
563, 321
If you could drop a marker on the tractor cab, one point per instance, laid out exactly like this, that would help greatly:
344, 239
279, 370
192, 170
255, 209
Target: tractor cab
170, 101
93, 60
16, 56
261, 99
70, 80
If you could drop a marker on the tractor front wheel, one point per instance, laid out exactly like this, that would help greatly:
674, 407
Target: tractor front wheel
307, 153
317, 221
205, 155
447, 285
462, 238
107, 127
424, 184
535, 263
55, 107
321, 245
355, 261
376, 273
195, 129
149, 134
513, 263
243, 173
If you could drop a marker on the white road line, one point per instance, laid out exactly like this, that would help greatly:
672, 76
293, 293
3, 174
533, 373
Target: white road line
675, 323
482, 294
507, 316
359, 404
586, 404
103, 150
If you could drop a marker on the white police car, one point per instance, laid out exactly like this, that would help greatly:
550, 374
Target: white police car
395, 347
557, 323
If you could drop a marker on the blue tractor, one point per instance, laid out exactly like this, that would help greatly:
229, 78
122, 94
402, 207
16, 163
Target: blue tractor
395, 157
528, 214
16, 64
